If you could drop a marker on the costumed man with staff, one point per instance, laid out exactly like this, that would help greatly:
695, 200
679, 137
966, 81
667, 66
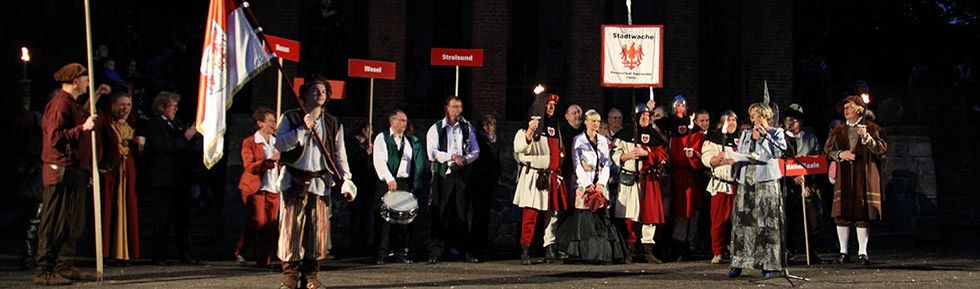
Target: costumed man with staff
684, 154
64, 127
540, 185
312, 145
757, 219
719, 145
857, 147
642, 157
398, 157
451, 147
800, 143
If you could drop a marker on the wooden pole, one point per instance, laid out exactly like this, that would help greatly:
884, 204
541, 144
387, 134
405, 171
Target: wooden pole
806, 230
96, 188
456, 91
371, 106
279, 91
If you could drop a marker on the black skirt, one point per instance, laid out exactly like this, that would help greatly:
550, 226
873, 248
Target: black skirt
590, 237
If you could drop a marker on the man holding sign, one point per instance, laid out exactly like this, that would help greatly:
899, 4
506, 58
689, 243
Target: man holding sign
799, 189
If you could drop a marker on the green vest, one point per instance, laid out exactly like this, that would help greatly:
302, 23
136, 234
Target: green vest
395, 156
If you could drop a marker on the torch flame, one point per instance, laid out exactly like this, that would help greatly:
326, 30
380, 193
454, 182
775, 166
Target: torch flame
866, 98
538, 89
25, 55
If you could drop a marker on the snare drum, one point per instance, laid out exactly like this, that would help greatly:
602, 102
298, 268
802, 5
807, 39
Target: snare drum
399, 207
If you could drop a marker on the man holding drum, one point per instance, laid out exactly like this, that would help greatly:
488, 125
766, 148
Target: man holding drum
398, 158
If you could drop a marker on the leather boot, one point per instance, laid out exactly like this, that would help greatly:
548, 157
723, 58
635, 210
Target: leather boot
552, 256
648, 254
630, 252
290, 275
309, 270
525, 255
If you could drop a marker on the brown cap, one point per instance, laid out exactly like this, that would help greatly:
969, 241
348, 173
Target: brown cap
70, 72
855, 99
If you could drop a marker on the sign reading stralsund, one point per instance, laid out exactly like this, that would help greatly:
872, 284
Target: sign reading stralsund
632, 55
457, 57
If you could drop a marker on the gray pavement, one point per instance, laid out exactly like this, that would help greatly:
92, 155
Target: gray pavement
893, 269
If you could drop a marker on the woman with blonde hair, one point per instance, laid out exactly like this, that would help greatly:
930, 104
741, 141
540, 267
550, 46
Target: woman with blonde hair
758, 219
588, 235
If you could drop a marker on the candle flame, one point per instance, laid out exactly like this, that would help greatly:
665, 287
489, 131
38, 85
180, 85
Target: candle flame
538, 89
25, 55
866, 98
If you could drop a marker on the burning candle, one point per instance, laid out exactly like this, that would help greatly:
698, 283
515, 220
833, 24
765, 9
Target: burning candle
538, 89
25, 56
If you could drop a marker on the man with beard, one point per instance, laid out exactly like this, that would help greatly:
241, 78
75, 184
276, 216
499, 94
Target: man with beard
641, 155
541, 156
452, 147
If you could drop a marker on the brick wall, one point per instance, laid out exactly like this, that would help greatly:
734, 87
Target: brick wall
582, 51
767, 47
488, 84
386, 42
681, 49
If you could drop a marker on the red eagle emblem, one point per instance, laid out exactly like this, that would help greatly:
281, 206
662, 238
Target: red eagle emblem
551, 131
644, 138
632, 55
682, 129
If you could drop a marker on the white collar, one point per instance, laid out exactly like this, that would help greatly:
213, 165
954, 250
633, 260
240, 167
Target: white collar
393, 134
260, 140
445, 122
855, 123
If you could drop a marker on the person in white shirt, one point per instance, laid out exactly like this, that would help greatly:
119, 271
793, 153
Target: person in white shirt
303, 136
451, 147
398, 158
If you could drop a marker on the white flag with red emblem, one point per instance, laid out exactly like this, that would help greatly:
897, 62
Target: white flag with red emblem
232, 55
632, 55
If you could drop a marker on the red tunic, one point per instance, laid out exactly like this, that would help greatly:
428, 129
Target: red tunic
61, 135
685, 186
557, 193
651, 203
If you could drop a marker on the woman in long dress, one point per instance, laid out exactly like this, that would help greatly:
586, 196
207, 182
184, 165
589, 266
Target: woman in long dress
588, 235
758, 220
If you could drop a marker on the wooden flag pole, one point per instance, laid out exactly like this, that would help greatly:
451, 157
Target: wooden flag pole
806, 229
96, 188
456, 91
279, 90
371, 106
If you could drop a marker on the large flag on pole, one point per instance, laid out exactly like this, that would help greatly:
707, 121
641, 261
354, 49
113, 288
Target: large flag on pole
232, 55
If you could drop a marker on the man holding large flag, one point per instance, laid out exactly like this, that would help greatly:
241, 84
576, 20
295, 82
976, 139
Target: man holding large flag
232, 55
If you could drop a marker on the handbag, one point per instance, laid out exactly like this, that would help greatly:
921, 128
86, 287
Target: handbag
543, 180
627, 177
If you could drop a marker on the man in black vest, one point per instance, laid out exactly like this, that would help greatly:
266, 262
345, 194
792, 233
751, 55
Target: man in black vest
398, 158
313, 152
451, 147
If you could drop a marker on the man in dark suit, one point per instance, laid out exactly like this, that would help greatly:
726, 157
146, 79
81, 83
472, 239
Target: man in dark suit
169, 145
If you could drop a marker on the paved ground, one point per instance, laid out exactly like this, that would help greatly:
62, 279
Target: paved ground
894, 269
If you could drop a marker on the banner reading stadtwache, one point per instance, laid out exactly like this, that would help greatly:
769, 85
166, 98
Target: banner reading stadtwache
632, 55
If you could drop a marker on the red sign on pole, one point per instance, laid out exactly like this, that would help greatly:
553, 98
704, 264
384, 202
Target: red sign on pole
370, 69
283, 48
804, 165
336, 87
457, 57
